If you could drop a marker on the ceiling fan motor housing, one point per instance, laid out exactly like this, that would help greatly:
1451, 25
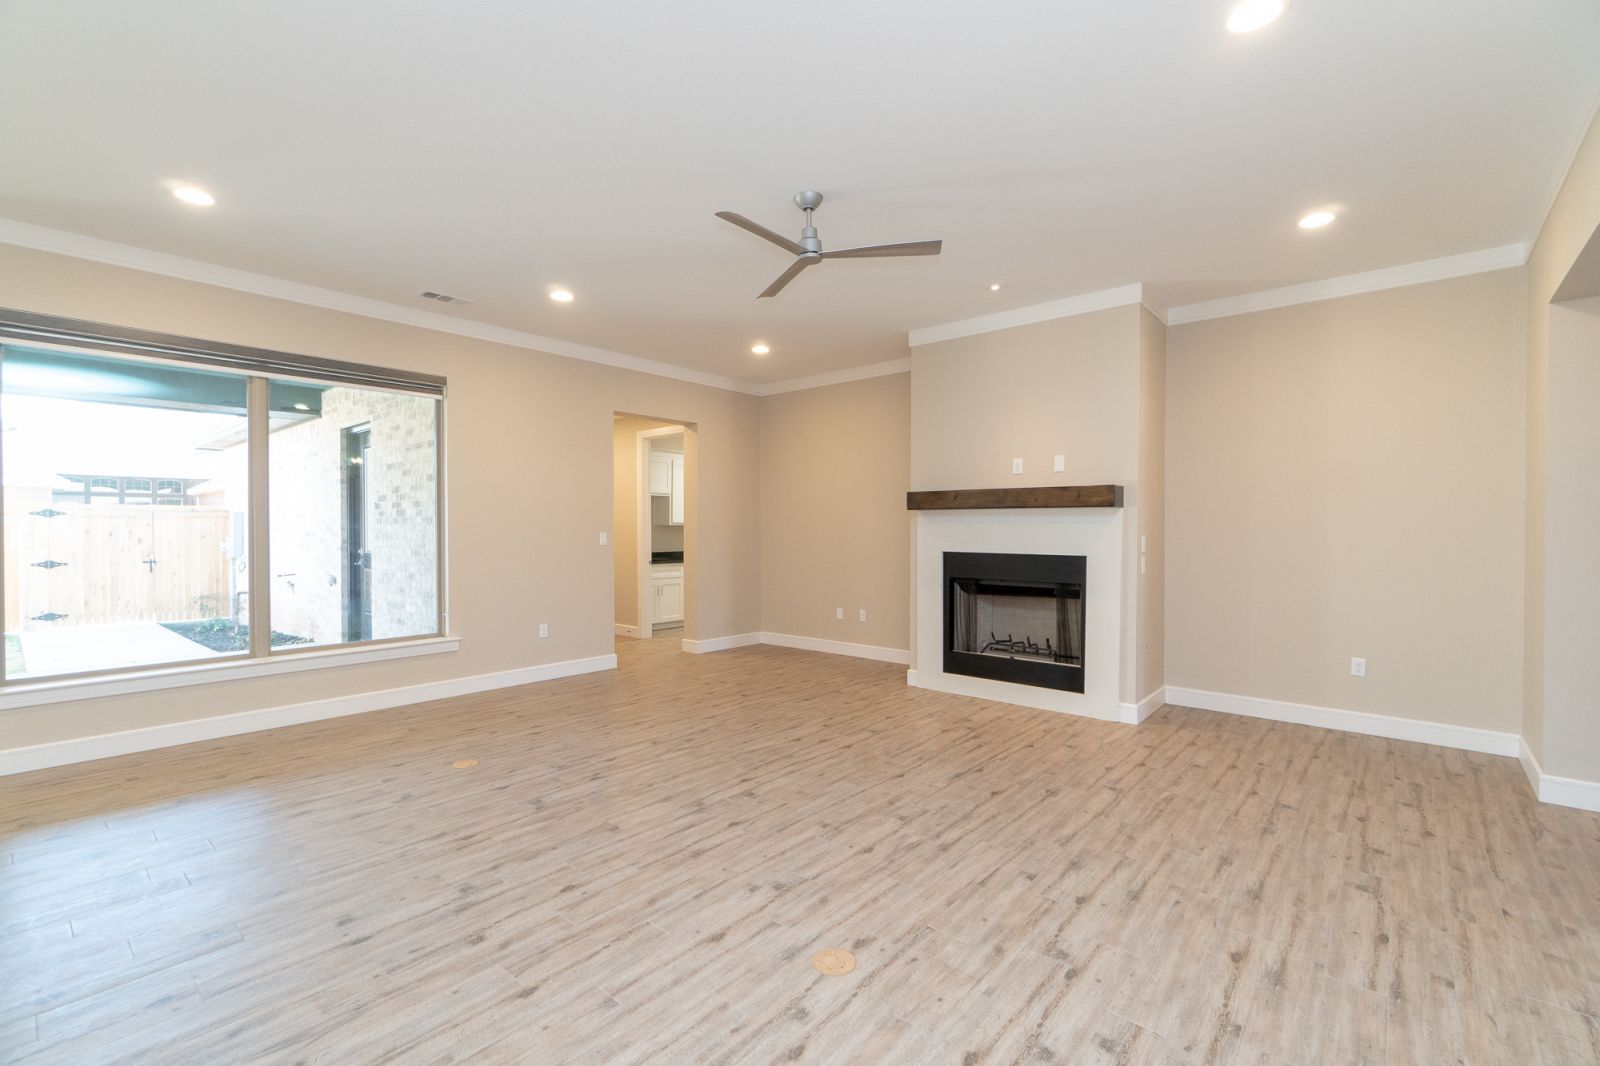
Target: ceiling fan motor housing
808, 201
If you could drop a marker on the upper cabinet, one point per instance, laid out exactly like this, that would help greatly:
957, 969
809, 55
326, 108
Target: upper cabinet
661, 473
666, 479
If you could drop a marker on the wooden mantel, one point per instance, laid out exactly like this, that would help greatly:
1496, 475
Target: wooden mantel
1037, 496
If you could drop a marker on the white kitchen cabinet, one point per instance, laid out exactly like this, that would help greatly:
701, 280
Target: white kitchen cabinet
661, 473
666, 600
677, 490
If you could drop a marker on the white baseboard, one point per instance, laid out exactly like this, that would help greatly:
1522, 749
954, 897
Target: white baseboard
1530, 765
625, 631
710, 644
104, 746
1466, 738
1564, 791
1135, 713
1570, 792
838, 647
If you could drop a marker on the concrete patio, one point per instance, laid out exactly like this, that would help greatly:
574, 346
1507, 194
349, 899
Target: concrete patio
77, 649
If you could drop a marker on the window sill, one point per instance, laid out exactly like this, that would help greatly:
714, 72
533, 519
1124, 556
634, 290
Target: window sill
35, 693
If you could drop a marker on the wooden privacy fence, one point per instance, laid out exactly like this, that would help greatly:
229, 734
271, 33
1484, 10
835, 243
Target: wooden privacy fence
71, 564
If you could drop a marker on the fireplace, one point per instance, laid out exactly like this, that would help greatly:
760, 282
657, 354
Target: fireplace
1016, 618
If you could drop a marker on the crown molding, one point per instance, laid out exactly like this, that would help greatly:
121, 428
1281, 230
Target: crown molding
1450, 266
1082, 304
1564, 171
78, 246
837, 377
40, 238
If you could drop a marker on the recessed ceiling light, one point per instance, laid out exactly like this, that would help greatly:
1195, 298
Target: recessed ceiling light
994, 286
193, 194
561, 296
1248, 16
1317, 219
759, 348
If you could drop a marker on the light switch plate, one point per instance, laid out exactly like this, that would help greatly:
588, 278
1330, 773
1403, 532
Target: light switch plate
544, 630
603, 538
1061, 464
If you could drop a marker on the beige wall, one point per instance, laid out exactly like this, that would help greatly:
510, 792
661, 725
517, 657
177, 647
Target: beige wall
529, 488
1570, 225
1151, 505
835, 463
1572, 544
1064, 387
625, 514
1345, 478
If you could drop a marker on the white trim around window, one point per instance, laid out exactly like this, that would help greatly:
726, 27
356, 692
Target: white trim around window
36, 693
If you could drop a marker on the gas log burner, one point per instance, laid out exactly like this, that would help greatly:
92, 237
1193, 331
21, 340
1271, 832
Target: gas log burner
1016, 618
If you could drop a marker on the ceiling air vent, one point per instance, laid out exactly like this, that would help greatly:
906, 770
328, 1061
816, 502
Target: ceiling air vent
445, 298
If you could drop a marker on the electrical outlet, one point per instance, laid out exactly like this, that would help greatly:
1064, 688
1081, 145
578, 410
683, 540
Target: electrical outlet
1016, 466
603, 538
862, 616
544, 630
838, 612
1061, 464
1358, 668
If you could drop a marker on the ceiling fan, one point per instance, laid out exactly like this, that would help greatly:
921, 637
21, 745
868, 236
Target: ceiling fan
808, 249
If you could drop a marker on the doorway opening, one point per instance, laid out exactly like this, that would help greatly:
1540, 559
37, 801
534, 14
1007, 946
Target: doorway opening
653, 526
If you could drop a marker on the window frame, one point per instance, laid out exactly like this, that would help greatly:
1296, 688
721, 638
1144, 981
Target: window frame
258, 367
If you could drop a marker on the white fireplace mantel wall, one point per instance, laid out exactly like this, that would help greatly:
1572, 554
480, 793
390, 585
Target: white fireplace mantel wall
1089, 388
1095, 534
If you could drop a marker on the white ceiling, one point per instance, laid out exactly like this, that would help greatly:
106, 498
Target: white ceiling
493, 149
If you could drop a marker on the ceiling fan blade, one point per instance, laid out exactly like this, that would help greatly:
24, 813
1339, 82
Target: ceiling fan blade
884, 251
786, 277
761, 231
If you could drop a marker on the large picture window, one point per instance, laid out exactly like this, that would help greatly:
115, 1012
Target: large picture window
170, 502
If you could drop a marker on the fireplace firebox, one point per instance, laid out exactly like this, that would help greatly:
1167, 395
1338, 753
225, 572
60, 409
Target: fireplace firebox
1016, 618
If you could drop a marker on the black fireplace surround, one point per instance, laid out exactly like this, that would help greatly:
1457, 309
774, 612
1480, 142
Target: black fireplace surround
1016, 618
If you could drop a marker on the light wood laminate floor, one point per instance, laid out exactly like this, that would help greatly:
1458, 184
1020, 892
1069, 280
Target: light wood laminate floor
642, 864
